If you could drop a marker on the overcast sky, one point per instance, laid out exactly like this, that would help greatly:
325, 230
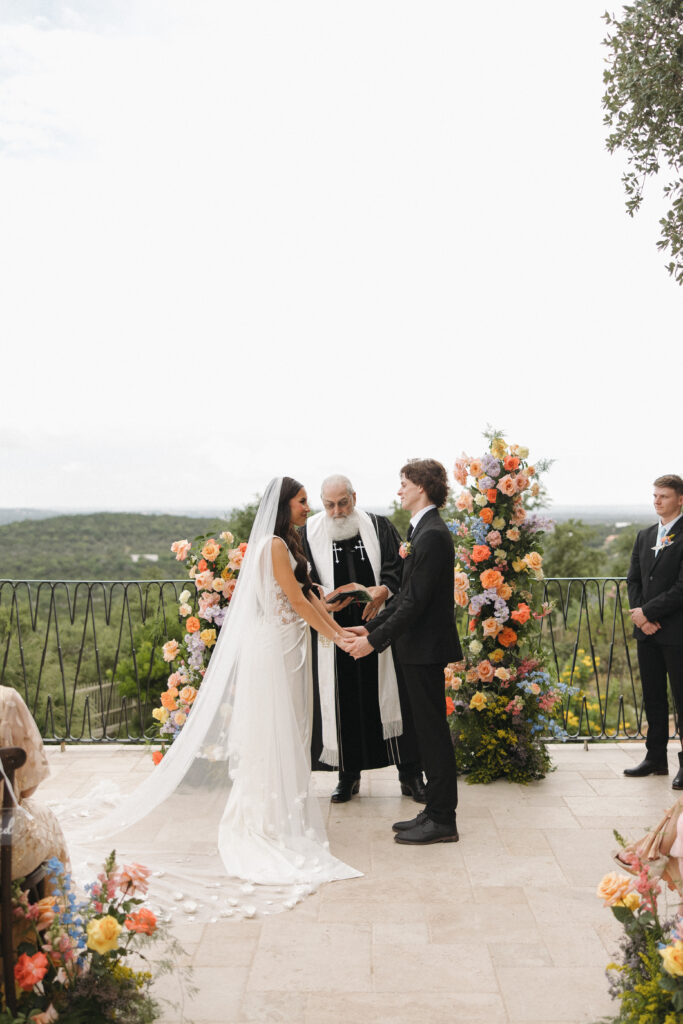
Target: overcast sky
245, 239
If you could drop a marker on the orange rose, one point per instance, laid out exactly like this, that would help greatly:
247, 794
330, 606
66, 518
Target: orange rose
522, 481
46, 913
491, 627
211, 550
170, 650
201, 565
480, 552
450, 706
204, 580
504, 591
464, 502
461, 581
29, 970
492, 495
193, 625
534, 560
143, 921
507, 637
485, 671
486, 514
491, 579
476, 468
181, 549
613, 888
510, 462
157, 757
471, 675
460, 597
187, 694
521, 614
168, 699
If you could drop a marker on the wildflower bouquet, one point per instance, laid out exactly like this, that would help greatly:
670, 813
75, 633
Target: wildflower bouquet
648, 981
71, 955
213, 568
500, 700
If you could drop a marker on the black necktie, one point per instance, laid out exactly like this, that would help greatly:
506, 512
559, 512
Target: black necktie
410, 532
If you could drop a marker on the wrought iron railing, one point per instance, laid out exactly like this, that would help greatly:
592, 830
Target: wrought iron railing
86, 655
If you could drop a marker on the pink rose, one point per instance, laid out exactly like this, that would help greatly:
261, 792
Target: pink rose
522, 481
228, 588
170, 650
518, 515
506, 485
460, 471
485, 671
491, 627
174, 680
513, 534
476, 468
181, 549
133, 878
208, 601
204, 580
494, 539
464, 502
236, 556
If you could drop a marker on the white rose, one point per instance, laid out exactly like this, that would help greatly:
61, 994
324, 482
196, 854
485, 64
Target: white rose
481, 500
227, 537
185, 596
475, 647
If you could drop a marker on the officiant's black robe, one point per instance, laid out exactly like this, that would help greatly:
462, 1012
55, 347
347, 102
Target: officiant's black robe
359, 725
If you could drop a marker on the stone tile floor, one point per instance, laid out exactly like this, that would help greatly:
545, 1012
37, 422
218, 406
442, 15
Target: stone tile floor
502, 927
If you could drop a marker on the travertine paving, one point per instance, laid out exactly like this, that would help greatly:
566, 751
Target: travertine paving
502, 927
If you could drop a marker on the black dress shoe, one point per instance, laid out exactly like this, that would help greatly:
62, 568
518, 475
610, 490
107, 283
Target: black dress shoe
401, 826
678, 781
426, 833
346, 788
647, 768
412, 785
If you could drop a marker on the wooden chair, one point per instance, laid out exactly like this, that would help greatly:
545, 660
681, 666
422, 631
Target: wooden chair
12, 758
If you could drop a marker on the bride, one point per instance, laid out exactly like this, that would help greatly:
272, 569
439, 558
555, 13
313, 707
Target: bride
228, 820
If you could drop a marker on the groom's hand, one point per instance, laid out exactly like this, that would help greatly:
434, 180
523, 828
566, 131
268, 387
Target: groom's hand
360, 647
379, 596
358, 630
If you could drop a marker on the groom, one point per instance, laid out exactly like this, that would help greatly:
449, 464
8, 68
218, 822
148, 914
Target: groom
420, 623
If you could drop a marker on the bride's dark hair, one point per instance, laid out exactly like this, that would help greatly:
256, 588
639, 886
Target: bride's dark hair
290, 535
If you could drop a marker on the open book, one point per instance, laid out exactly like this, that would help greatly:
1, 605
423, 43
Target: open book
359, 596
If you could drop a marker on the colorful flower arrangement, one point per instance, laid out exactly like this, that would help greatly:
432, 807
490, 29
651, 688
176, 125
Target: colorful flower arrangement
500, 699
70, 964
213, 568
648, 982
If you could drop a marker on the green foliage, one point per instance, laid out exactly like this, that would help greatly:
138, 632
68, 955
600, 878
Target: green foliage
644, 103
491, 745
400, 517
570, 550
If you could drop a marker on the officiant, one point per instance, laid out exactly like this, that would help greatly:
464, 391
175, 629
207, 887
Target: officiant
361, 713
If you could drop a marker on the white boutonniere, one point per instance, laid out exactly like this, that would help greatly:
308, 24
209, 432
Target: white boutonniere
665, 542
405, 549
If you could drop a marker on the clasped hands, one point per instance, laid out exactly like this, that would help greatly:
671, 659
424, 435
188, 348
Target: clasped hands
644, 624
357, 644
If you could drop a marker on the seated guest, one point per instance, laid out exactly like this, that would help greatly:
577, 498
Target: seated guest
36, 835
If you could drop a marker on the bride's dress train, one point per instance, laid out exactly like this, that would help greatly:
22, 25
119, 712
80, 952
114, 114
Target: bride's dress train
228, 821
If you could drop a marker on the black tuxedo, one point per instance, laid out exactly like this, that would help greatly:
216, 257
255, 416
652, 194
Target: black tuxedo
420, 622
655, 584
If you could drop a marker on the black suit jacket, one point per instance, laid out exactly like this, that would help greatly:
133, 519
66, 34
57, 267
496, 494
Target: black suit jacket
420, 621
656, 584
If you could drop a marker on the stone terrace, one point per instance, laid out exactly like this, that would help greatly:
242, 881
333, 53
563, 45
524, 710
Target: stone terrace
502, 927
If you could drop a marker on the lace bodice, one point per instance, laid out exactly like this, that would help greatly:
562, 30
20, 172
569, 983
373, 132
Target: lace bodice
284, 613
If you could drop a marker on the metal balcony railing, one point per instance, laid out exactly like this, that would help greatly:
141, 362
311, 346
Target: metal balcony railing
86, 655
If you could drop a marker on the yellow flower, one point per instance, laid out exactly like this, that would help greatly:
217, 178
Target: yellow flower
498, 447
523, 451
226, 574
103, 934
498, 523
161, 714
673, 958
518, 566
614, 888
478, 701
630, 900
208, 637
497, 655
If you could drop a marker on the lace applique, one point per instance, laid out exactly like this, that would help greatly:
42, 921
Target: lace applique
283, 608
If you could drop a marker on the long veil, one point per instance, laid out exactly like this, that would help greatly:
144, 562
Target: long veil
228, 821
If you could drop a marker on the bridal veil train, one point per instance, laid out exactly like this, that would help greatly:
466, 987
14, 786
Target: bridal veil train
228, 821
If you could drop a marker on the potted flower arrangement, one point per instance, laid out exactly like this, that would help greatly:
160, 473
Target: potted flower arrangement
500, 700
213, 567
72, 957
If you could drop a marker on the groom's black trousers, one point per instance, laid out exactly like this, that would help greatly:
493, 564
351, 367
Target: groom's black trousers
426, 689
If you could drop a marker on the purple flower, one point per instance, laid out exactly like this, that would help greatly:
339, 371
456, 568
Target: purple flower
491, 465
486, 483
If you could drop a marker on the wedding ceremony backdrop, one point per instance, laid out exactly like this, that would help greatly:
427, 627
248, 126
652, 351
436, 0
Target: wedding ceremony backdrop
544, 657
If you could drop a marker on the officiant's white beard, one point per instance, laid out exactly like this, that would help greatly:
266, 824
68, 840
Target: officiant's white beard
343, 527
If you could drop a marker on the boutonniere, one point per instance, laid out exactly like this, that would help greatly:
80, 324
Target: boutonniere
405, 549
666, 542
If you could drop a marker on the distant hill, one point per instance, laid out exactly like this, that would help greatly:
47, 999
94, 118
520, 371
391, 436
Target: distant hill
99, 545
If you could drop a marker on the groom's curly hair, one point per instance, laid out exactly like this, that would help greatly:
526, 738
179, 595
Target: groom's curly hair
290, 535
431, 475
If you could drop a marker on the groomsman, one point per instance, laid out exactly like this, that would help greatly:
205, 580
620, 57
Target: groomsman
655, 593
420, 622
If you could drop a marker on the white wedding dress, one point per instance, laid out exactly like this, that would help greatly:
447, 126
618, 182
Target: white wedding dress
228, 821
